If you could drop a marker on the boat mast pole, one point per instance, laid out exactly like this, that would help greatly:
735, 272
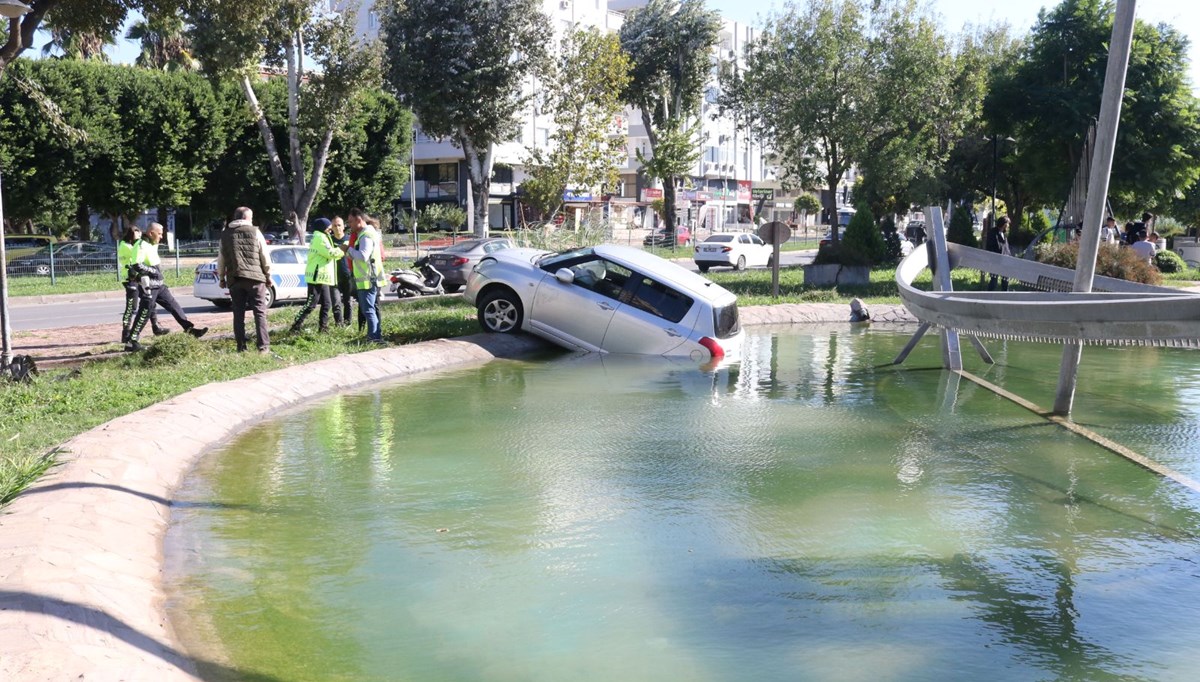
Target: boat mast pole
1097, 192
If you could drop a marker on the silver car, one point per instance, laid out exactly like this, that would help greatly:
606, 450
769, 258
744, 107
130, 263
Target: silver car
456, 262
607, 299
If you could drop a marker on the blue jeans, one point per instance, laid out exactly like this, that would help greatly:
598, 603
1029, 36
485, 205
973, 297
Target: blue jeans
366, 303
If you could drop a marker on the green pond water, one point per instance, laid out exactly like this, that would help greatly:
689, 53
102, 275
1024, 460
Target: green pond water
808, 513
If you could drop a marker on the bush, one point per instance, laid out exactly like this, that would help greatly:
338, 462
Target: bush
828, 254
961, 230
863, 244
1169, 261
1111, 261
1035, 223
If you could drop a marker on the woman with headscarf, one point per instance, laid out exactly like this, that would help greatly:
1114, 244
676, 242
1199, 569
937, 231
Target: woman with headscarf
321, 274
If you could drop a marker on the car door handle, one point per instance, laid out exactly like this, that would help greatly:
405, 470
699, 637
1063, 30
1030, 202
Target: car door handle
605, 306
672, 332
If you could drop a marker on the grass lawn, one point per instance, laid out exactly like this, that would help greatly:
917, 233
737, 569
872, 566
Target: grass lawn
61, 403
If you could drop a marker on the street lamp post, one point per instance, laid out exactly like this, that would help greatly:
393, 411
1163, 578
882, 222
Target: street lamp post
10, 9
995, 162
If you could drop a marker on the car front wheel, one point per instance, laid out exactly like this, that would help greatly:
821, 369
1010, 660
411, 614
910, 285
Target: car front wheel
500, 312
270, 297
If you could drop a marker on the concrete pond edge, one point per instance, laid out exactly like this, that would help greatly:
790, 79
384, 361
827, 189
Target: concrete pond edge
81, 590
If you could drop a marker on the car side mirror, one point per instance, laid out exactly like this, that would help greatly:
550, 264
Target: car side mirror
565, 275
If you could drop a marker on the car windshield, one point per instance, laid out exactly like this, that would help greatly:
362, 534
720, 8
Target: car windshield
720, 238
463, 247
549, 260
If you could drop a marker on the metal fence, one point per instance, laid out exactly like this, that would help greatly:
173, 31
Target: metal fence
89, 258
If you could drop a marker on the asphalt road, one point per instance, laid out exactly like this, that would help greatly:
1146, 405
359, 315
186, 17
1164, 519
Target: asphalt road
99, 311
29, 316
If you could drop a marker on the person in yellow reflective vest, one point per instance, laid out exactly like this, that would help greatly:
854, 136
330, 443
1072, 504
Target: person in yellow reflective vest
153, 291
127, 249
366, 258
320, 273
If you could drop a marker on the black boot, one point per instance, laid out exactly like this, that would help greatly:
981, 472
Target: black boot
197, 331
124, 335
161, 331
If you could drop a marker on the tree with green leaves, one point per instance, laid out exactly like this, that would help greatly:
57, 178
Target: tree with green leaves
70, 42
464, 67
236, 39
97, 19
582, 94
1049, 100
961, 229
864, 242
165, 45
844, 83
670, 48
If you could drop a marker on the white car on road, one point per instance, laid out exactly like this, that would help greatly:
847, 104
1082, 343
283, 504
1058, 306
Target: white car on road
606, 299
738, 251
287, 277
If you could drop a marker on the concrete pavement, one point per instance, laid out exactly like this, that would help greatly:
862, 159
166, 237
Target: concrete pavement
81, 594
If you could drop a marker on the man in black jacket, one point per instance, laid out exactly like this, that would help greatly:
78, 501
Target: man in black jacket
997, 242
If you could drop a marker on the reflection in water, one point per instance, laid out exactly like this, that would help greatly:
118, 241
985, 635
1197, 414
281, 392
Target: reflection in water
809, 512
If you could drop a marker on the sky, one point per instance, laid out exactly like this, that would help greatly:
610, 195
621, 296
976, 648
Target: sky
1184, 15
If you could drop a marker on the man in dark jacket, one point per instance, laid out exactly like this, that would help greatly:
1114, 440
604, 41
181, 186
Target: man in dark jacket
244, 268
997, 242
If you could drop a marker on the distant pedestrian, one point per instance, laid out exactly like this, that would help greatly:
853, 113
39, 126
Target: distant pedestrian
127, 250
320, 272
367, 263
1142, 247
244, 268
344, 290
997, 242
1108, 233
153, 290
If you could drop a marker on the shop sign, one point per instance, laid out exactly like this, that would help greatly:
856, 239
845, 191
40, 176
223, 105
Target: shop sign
650, 194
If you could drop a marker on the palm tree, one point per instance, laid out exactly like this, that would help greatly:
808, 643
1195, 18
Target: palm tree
165, 46
73, 43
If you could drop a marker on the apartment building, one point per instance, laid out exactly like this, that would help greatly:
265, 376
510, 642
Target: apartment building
732, 180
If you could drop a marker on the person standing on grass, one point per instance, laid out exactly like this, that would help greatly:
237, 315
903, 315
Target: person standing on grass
153, 291
320, 273
244, 268
344, 289
367, 264
127, 250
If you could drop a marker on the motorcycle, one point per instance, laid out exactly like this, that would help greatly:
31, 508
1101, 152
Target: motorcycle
422, 280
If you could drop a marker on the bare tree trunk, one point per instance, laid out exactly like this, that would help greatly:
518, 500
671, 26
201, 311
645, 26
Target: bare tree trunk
479, 166
293, 112
21, 32
275, 163
305, 203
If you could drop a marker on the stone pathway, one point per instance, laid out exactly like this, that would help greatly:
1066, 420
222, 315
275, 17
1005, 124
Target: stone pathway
81, 594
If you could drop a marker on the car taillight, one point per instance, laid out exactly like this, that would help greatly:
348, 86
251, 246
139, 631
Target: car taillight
726, 249
713, 347
459, 261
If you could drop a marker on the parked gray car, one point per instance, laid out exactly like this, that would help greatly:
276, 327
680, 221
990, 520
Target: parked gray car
607, 299
456, 262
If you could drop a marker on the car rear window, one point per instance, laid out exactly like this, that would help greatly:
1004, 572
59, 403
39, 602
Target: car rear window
463, 247
725, 321
658, 299
720, 238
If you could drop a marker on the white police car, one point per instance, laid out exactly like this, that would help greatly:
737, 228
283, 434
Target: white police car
287, 277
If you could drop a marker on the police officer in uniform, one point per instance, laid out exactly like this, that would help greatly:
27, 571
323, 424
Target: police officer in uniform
153, 291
